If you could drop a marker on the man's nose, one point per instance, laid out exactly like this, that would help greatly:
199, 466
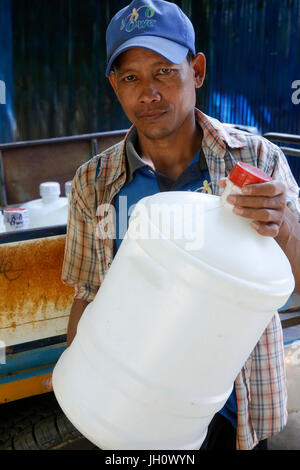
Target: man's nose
149, 93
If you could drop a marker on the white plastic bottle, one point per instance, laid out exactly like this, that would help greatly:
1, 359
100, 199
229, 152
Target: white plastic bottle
51, 209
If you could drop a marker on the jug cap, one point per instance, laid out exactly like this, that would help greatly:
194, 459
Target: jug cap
50, 190
244, 173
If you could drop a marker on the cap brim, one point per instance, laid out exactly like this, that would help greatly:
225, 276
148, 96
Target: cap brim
170, 50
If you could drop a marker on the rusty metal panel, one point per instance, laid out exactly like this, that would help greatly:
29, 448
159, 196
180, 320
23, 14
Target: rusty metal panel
34, 303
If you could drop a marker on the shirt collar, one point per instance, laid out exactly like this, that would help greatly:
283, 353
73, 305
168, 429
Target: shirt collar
217, 136
133, 160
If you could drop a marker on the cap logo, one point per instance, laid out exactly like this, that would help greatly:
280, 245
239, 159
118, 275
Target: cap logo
133, 20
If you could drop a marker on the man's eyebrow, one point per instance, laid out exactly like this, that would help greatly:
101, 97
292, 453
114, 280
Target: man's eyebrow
163, 62
155, 64
122, 71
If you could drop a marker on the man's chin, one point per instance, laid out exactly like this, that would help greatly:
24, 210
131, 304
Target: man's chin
155, 132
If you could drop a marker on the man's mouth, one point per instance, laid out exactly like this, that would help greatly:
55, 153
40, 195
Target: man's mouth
151, 115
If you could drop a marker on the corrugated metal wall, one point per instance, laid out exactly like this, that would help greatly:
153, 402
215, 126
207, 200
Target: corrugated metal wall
59, 87
254, 59
6, 110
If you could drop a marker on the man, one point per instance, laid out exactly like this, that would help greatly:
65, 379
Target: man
154, 71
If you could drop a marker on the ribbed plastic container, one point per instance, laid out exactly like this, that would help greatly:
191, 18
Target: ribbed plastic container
50, 209
179, 312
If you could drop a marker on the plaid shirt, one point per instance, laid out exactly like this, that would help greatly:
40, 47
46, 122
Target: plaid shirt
261, 385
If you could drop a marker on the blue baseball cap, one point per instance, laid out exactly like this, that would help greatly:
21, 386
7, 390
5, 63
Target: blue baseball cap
157, 25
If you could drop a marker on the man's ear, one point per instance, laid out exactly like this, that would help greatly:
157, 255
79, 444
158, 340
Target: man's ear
112, 81
199, 66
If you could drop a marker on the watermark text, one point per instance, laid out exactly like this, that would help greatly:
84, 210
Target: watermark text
152, 222
296, 93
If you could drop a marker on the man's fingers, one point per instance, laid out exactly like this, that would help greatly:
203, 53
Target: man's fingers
267, 230
260, 215
270, 189
259, 202
47, 384
264, 203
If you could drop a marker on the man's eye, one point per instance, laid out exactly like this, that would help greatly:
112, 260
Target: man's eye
129, 78
165, 70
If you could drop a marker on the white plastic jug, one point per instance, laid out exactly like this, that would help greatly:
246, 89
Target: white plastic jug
179, 312
50, 210
2, 226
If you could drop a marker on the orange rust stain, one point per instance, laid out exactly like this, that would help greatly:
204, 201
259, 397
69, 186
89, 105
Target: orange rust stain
30, 281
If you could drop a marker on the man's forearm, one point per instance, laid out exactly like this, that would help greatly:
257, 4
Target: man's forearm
289, 240
77, 310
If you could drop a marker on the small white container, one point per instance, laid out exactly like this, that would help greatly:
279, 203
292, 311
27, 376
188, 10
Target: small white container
50, 210
15, 219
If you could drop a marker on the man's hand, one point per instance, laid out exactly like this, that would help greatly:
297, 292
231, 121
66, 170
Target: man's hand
77, 309
265, 203
47, 383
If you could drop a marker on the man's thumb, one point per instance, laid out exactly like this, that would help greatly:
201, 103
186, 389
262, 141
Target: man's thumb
47, 383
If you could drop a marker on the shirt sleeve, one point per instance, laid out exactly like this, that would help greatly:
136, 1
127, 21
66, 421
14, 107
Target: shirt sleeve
81, 264
282, 172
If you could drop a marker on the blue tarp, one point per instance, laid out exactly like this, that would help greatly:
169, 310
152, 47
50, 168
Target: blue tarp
7, 122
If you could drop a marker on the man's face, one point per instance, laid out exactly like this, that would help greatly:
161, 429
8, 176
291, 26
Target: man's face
157, 96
